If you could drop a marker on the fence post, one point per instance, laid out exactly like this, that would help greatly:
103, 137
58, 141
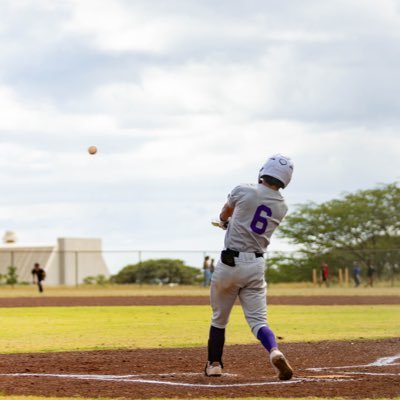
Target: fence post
76, 269
346, 277
314, 277
340, 277
140, 264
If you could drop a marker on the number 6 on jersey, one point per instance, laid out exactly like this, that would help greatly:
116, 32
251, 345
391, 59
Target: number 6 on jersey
259, 223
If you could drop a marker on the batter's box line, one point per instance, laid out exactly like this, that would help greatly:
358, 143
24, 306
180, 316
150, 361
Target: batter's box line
123, 378
372, 373
380, 362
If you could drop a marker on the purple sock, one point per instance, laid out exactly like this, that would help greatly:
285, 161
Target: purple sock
267, 338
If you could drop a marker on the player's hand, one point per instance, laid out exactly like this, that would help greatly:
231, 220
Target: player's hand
221, 224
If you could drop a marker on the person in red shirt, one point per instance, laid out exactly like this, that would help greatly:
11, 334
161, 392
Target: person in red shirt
325, 273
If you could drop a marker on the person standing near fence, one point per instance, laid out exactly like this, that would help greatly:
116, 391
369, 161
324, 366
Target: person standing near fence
325, 273
356, 274
212, 266
38, 276
249, 216
206, 271
370, 273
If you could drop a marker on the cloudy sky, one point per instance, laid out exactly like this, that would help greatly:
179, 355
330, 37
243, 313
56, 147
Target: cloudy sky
185, 99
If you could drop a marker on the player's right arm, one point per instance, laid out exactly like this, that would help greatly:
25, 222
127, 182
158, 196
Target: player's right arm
226, 212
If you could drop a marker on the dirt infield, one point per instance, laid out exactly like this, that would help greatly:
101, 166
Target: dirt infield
359, 369
188, 300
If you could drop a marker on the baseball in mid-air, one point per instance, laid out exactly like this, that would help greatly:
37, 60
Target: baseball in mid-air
92, 150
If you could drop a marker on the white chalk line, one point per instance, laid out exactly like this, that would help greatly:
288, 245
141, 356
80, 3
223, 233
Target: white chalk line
380, 362
139, 378
131, 379
372, 373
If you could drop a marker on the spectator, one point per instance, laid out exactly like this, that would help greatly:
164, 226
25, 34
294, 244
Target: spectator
325, 273
370, 273
356, 274
206, 271
212, 266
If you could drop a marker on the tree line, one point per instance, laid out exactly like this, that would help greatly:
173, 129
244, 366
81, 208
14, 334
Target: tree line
362, 226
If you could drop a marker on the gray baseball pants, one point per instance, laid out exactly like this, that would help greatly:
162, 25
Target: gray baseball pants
245, 280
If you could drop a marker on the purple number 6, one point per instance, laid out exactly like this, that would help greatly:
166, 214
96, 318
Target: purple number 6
260, 221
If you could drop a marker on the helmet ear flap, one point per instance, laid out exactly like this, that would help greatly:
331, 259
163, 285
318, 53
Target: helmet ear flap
259, 175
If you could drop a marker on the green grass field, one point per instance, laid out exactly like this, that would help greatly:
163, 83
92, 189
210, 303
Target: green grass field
45, 329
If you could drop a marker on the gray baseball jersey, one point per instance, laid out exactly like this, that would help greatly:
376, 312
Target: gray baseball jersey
258, 211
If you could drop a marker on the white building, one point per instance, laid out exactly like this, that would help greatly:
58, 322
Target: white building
66, 263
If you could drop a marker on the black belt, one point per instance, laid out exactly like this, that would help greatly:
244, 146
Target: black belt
236, 253
228, 256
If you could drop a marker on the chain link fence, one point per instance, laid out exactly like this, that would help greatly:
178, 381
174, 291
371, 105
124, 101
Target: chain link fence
72, 267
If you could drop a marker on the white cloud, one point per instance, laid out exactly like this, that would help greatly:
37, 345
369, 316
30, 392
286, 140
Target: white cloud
186, 100
111, 28
40, 117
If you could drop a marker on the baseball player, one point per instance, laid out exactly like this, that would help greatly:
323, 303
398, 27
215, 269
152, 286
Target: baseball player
38, 276
250, 216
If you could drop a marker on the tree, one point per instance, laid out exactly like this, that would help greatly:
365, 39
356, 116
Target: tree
11, 276
283, 267
360, 226
89, 280
353, 223
100, 280
162, 271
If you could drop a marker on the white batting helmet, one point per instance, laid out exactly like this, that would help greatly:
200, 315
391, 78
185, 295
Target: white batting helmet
279, 167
